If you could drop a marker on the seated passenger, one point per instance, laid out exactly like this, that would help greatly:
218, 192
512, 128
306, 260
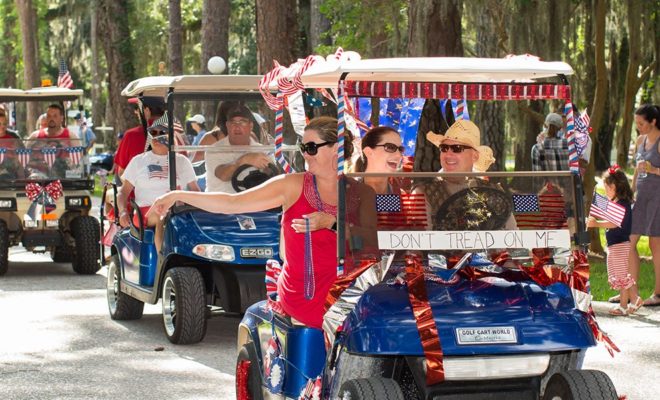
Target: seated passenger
306, 199
220, 166
55, 129
9, 140
381, 152
148, 175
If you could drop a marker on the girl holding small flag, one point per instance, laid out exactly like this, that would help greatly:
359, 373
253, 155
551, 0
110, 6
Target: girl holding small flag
618, 191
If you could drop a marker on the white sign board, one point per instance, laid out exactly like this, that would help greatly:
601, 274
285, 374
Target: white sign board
473, 240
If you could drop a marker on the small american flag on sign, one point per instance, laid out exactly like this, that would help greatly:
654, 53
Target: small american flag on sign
24, 156
604, 209
75, 154
406, 210
49, 155
157, 171
64, 78
534, 211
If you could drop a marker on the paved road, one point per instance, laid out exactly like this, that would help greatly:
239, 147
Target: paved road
57, 342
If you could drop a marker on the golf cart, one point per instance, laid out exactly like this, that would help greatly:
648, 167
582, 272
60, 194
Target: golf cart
210, 264
479, 291
45, 191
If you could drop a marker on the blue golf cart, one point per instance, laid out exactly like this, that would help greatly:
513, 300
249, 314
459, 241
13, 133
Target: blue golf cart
466, 286
209, 264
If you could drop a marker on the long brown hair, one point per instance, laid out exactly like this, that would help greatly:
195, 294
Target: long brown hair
371, 139
616, 176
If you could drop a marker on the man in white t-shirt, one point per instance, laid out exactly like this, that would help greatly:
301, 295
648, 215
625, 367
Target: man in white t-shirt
148, 175
220, 166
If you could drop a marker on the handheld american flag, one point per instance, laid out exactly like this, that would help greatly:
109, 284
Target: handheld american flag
49, 155
604, 209
64, 78
534, 211
406, 210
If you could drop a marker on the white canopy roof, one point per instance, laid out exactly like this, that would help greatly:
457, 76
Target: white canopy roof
326, 74
159, 85
50, 93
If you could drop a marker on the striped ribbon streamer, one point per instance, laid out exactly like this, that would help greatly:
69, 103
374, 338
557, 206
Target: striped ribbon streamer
341, 127
458, 109
279, 137
273, 102
570, 137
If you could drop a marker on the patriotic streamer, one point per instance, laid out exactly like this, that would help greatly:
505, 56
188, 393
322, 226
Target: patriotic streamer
3, 151
75, 154
279, 138
312, 390
341, 127
24, 156
458, 108
53, 189
49, 155
570, 137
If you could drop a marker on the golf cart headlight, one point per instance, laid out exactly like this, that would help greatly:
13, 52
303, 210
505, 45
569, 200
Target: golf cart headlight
494, 367
78, 202
216, 252
52, 223
75, 201
6, 204
31, 224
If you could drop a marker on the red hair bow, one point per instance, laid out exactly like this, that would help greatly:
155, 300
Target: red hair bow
615, 167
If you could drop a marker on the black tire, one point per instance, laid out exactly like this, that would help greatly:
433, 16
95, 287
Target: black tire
62, 254
86, 232
580, 385
4, 248
121, 306
184, 305
252, 383
375, 387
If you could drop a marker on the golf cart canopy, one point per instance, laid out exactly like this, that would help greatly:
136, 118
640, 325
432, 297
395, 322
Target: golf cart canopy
191, 84
434, 69
51, 93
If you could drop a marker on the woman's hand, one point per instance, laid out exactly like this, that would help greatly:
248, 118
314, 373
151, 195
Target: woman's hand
123, 219
317, 220
162, 204
592, 223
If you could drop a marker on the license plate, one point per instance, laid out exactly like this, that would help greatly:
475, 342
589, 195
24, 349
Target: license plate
256, 252
483, 335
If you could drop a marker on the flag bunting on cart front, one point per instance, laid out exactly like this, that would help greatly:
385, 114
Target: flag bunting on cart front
49, 155
24, 156
3, 151
75, 154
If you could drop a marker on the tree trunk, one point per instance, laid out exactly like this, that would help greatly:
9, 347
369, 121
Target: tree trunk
8, 67
109, 140
215, 42
434, 30
277, 33
318, 25
118, 50
598, 109
27, 16
175, 48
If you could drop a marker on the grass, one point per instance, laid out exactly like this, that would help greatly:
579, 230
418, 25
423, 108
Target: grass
98, 188
601, 290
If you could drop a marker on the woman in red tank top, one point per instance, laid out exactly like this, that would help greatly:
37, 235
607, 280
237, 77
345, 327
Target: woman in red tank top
309, 201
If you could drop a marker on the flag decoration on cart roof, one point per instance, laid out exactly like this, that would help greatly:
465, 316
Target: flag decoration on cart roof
64, 78
604, 209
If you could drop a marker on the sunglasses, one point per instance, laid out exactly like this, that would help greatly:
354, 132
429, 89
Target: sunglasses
157, 132
391, 147
312, 148
455, 148
239, 122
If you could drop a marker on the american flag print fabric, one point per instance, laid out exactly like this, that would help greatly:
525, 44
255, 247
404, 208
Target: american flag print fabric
64, 78
75, 154
3, 151
157, 171
49, 155
604, 209
405, 210
23, 156
545, 211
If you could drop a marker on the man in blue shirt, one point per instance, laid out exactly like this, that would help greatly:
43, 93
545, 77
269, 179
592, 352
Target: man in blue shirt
85, 132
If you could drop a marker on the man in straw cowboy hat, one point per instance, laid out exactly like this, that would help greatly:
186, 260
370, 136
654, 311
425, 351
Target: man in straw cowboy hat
460, 151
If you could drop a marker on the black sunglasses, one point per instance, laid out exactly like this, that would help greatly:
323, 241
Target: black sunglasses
312, 148
455, 148
391, 147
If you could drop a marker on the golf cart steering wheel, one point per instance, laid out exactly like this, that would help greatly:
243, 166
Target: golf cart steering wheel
248, 176
479, 208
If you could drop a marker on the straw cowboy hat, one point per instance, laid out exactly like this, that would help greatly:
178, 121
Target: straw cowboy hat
467, 133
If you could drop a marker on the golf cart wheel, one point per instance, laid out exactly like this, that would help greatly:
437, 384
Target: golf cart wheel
122, 307
248, 374
375, 387
4, 248
184, 306
62, 254
85, 231
580, 385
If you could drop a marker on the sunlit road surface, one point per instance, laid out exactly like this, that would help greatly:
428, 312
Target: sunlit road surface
58, 342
